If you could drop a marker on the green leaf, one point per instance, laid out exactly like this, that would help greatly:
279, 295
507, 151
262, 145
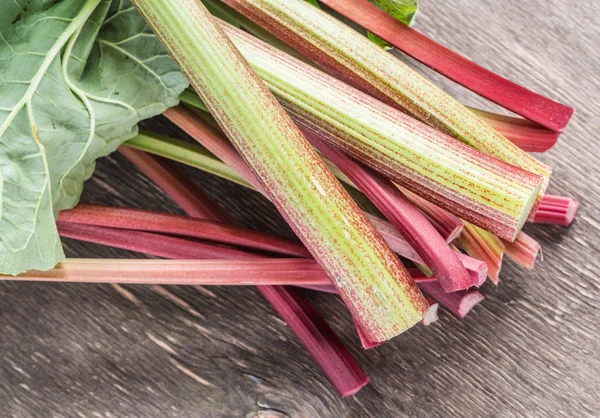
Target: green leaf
314, 3
72, 89
403, 10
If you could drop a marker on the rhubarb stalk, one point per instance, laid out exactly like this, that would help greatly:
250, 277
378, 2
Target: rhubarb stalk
407, 219
223, 272
326, 348
557, 210
351, 57
523, 133
143, 220
484, 246
494, 195
372, 282
524, 250
533, 106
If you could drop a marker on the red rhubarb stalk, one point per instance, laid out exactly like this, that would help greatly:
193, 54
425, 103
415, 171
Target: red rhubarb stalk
533, 106
524, 250
324, 345
407, 219
144, 220
304, 320
477, 269
556, 210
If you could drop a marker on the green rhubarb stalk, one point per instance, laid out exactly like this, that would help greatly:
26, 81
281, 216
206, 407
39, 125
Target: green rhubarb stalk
373, 283
223, 149
494, 195
484, 246
186, 153
351, 57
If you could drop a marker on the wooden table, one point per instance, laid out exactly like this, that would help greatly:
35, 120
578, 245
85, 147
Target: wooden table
529, 350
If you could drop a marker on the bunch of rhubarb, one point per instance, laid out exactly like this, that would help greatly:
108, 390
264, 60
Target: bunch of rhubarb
402, 199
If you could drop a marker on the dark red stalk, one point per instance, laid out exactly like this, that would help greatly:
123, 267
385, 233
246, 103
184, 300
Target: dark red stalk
144, 220
527, 135
158, 245
320, 340
306, 323
192, 199
533, 106
556, 210
407, 219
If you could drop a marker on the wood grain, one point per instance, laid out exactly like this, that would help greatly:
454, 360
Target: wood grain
529, 350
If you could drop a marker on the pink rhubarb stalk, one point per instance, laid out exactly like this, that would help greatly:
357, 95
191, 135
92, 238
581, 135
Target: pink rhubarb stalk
533, 106
304, 320
524, 250
448, 225
407, 219
259, 272
523, 133
158, 245
459, 303
556, 210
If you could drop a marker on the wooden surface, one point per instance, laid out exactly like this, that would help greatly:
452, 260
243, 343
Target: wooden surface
530, 349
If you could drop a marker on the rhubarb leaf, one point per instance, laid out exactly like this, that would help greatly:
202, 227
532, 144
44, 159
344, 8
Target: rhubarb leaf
403, 10
76, 77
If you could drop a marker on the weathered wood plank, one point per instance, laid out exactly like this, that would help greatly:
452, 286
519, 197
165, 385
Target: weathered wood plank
529, 350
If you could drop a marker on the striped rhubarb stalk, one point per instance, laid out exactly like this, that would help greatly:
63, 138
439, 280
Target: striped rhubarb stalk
405, 217
557, 210
351, 57
198, 129
446, 223
467, 183
369, 277
533, 106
